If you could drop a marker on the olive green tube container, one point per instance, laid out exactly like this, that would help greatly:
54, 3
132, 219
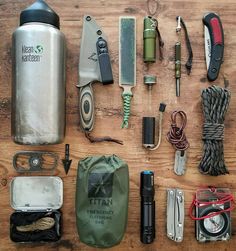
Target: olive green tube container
149, 39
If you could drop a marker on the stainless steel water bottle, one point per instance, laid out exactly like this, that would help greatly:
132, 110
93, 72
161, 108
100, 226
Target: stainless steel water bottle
38, 88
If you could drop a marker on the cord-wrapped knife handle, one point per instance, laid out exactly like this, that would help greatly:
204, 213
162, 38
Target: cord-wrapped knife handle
215, 28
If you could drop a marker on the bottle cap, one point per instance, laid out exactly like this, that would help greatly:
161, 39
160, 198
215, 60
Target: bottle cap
149, 80
39, 11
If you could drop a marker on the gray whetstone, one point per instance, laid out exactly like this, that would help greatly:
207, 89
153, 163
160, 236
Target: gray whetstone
127, 52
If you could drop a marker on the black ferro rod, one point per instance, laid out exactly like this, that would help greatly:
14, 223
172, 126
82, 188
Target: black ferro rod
147, 192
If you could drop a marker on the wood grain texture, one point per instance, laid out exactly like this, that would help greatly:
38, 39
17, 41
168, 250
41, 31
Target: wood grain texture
109, 115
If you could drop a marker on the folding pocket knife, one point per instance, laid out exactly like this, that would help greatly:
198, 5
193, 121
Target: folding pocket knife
94, 66
214, 44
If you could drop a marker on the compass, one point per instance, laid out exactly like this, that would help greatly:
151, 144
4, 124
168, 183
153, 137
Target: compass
216, 225
213, 217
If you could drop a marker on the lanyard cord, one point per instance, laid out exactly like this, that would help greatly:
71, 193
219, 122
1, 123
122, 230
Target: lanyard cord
161, 43
176, 135
93, 139
224, 198
188, 64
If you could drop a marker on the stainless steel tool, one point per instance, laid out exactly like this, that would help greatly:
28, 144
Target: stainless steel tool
175, 214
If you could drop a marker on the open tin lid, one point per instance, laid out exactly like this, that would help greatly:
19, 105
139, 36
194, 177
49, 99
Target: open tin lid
36, 193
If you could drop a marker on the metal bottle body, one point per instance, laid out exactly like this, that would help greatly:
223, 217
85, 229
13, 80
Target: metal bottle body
38, 88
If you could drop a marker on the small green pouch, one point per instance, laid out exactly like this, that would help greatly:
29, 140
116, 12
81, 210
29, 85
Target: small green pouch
102, 194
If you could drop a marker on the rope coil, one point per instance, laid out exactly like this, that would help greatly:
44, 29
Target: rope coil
215, 101
213, 131
39, 225
35, 226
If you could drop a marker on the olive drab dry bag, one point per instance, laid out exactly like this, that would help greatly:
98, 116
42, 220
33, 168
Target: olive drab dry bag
102, 193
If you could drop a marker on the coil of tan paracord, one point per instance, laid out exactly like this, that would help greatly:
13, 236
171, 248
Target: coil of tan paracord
40, 225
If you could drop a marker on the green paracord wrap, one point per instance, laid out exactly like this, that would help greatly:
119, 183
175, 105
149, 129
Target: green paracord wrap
127, 102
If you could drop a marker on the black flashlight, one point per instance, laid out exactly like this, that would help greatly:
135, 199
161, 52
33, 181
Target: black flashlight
147, 191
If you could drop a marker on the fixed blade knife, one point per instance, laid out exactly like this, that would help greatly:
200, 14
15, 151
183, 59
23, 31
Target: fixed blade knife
94, 66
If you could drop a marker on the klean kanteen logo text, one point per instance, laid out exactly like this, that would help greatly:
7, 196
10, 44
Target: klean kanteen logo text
32, 53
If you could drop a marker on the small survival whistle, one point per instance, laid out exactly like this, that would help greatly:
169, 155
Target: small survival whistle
150, 34
94, 66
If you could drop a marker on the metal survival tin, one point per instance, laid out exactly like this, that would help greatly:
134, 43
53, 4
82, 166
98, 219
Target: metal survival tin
36, 195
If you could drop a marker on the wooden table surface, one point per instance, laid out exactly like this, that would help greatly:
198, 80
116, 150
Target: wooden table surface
109, 115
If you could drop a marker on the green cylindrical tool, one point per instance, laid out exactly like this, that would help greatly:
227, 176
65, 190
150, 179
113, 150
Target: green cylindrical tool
149, 39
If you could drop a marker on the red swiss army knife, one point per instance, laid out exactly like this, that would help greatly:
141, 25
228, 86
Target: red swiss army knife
214, 44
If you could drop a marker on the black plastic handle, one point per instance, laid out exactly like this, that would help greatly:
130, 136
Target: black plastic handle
215, 28
104, 61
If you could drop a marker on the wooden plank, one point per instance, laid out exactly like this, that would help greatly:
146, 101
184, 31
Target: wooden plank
109, 115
